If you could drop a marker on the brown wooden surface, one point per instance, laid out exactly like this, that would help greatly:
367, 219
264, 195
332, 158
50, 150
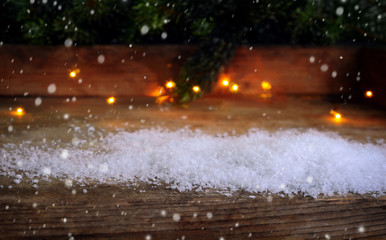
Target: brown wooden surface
138, 71
117, 211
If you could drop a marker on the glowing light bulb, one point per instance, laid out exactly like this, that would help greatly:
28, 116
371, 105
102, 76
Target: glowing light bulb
196, 89
18, 112
337, 115
170, 84
225, 82
265, 85
111, 100
74, 72
369, 94
234, 87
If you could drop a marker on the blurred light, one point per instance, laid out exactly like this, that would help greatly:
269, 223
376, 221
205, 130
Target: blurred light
111, 100
336, 114
266, 95
369, 94
196, 89
224, 79
265, 85
234, 87
170, 84
73, 73
225, 82
18, 112
157, 92
162, 99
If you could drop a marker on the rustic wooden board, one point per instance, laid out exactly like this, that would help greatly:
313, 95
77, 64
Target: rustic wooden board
135, 212
144, 211
140, 70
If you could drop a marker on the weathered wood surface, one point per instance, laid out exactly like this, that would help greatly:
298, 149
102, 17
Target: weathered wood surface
140, 70
135, 212
115, 212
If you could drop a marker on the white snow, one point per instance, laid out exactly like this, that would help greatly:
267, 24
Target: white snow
144, 29
51, 88
101, 59
288, 161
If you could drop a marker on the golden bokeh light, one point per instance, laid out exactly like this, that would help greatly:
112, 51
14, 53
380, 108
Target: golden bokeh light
73, 73
234, 87
336, 115
170, 84
369, 94
18, 112
196, 89
111, 100
265, 85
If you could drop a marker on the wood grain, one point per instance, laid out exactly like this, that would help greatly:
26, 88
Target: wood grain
140, 70
135, 212
121, 212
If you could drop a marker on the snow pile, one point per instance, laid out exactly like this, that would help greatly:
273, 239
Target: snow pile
286, 161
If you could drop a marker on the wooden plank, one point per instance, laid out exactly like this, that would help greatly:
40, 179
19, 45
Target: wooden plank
293, 70
121, 212
140, 70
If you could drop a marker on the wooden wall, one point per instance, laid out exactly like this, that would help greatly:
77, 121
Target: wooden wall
138, 71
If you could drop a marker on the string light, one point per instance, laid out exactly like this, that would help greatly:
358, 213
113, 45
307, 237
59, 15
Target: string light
234, 87
170, 84
265, 85
369, 94
337, 115
73, 73
196, 89
225, 81
18, 112
111, 100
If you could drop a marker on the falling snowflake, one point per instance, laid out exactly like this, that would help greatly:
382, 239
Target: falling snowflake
176, 217
144, 29
51, 88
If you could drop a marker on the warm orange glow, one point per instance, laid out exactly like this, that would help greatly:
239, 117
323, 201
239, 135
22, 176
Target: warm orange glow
225, 81
162, 99
157, 92
266, 95
337, 115
111, 100
170, 84
369, 94
265, 85
196, 89
234, 87
74, 72
18, 112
